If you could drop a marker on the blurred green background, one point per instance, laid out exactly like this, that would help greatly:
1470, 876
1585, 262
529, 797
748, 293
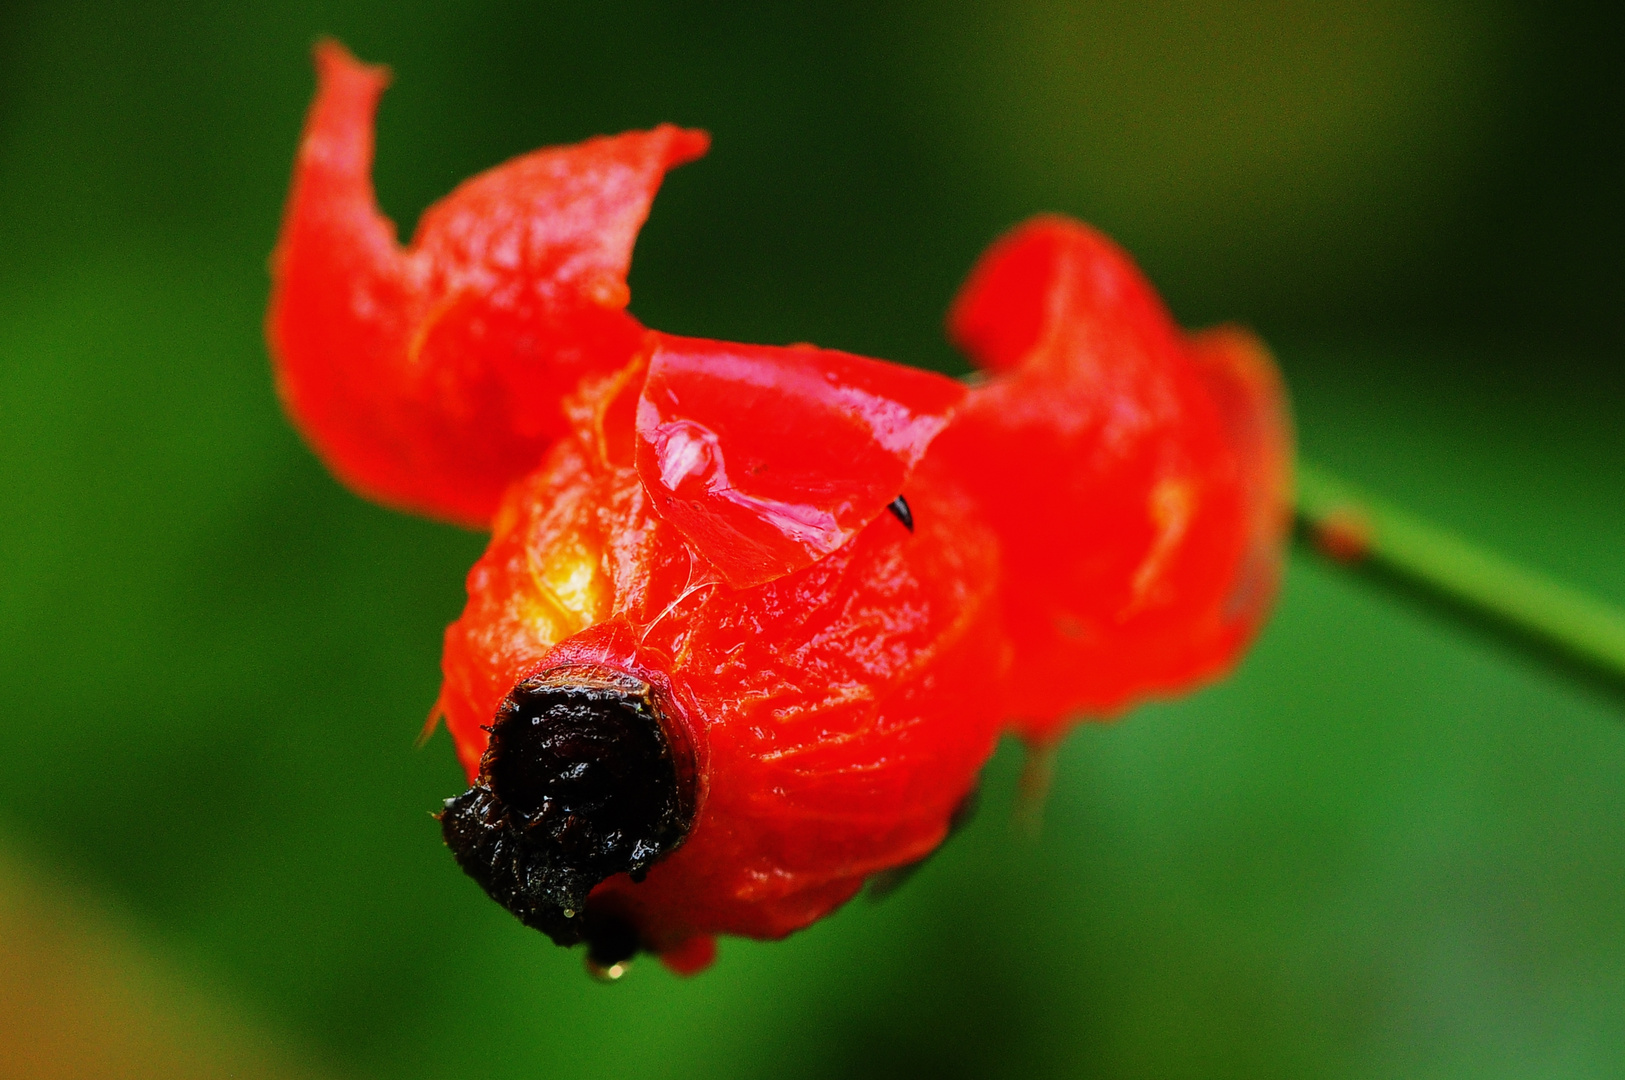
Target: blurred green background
1387, 847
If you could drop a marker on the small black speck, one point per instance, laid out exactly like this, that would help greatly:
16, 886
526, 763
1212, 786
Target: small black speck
900, 510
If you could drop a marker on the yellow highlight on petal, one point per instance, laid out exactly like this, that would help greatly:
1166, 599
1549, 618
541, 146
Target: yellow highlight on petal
574, 579
572, 593
1171, 505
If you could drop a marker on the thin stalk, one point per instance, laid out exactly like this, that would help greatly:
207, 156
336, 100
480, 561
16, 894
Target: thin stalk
1352, 527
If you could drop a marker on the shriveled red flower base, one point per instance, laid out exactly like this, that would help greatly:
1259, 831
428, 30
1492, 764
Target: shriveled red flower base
752, 618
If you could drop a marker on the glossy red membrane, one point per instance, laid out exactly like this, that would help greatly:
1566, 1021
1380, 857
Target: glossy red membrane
768, 459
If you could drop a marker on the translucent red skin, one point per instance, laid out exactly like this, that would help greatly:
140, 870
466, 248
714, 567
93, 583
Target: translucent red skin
838, 714
769, 459
1138, 478
429, 378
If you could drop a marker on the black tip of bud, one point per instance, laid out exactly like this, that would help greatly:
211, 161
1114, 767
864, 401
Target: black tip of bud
583, 779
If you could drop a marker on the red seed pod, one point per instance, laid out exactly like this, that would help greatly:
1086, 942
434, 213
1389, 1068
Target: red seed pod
429, 378
1138, 479
704, 684
674, 757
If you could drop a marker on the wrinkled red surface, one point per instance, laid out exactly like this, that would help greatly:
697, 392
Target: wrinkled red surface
768, 459
429, 377
1101, 519
1137, 478
839, 712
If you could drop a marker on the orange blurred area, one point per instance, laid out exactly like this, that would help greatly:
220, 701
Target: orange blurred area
82, 997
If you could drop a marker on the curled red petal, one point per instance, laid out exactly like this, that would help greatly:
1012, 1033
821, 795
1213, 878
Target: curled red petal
1137, 478
1054, 288
767, 459
431, 377
1256, 416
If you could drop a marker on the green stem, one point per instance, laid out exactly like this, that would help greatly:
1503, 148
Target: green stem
1353, 527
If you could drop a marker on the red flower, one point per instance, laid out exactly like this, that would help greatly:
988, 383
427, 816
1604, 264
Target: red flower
705, 683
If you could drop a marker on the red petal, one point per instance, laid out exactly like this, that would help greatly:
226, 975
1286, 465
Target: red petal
768, 459
1052, 276
1137, 479
561, 220
431, 378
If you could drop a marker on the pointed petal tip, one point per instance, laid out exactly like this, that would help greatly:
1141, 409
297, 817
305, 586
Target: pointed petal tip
1046, 271
686, 145
334, 62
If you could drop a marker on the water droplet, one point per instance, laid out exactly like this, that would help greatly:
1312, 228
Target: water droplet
608, 973
689, 454
569, 913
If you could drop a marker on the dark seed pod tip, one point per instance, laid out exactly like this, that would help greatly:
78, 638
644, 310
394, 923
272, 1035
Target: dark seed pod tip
585, 776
